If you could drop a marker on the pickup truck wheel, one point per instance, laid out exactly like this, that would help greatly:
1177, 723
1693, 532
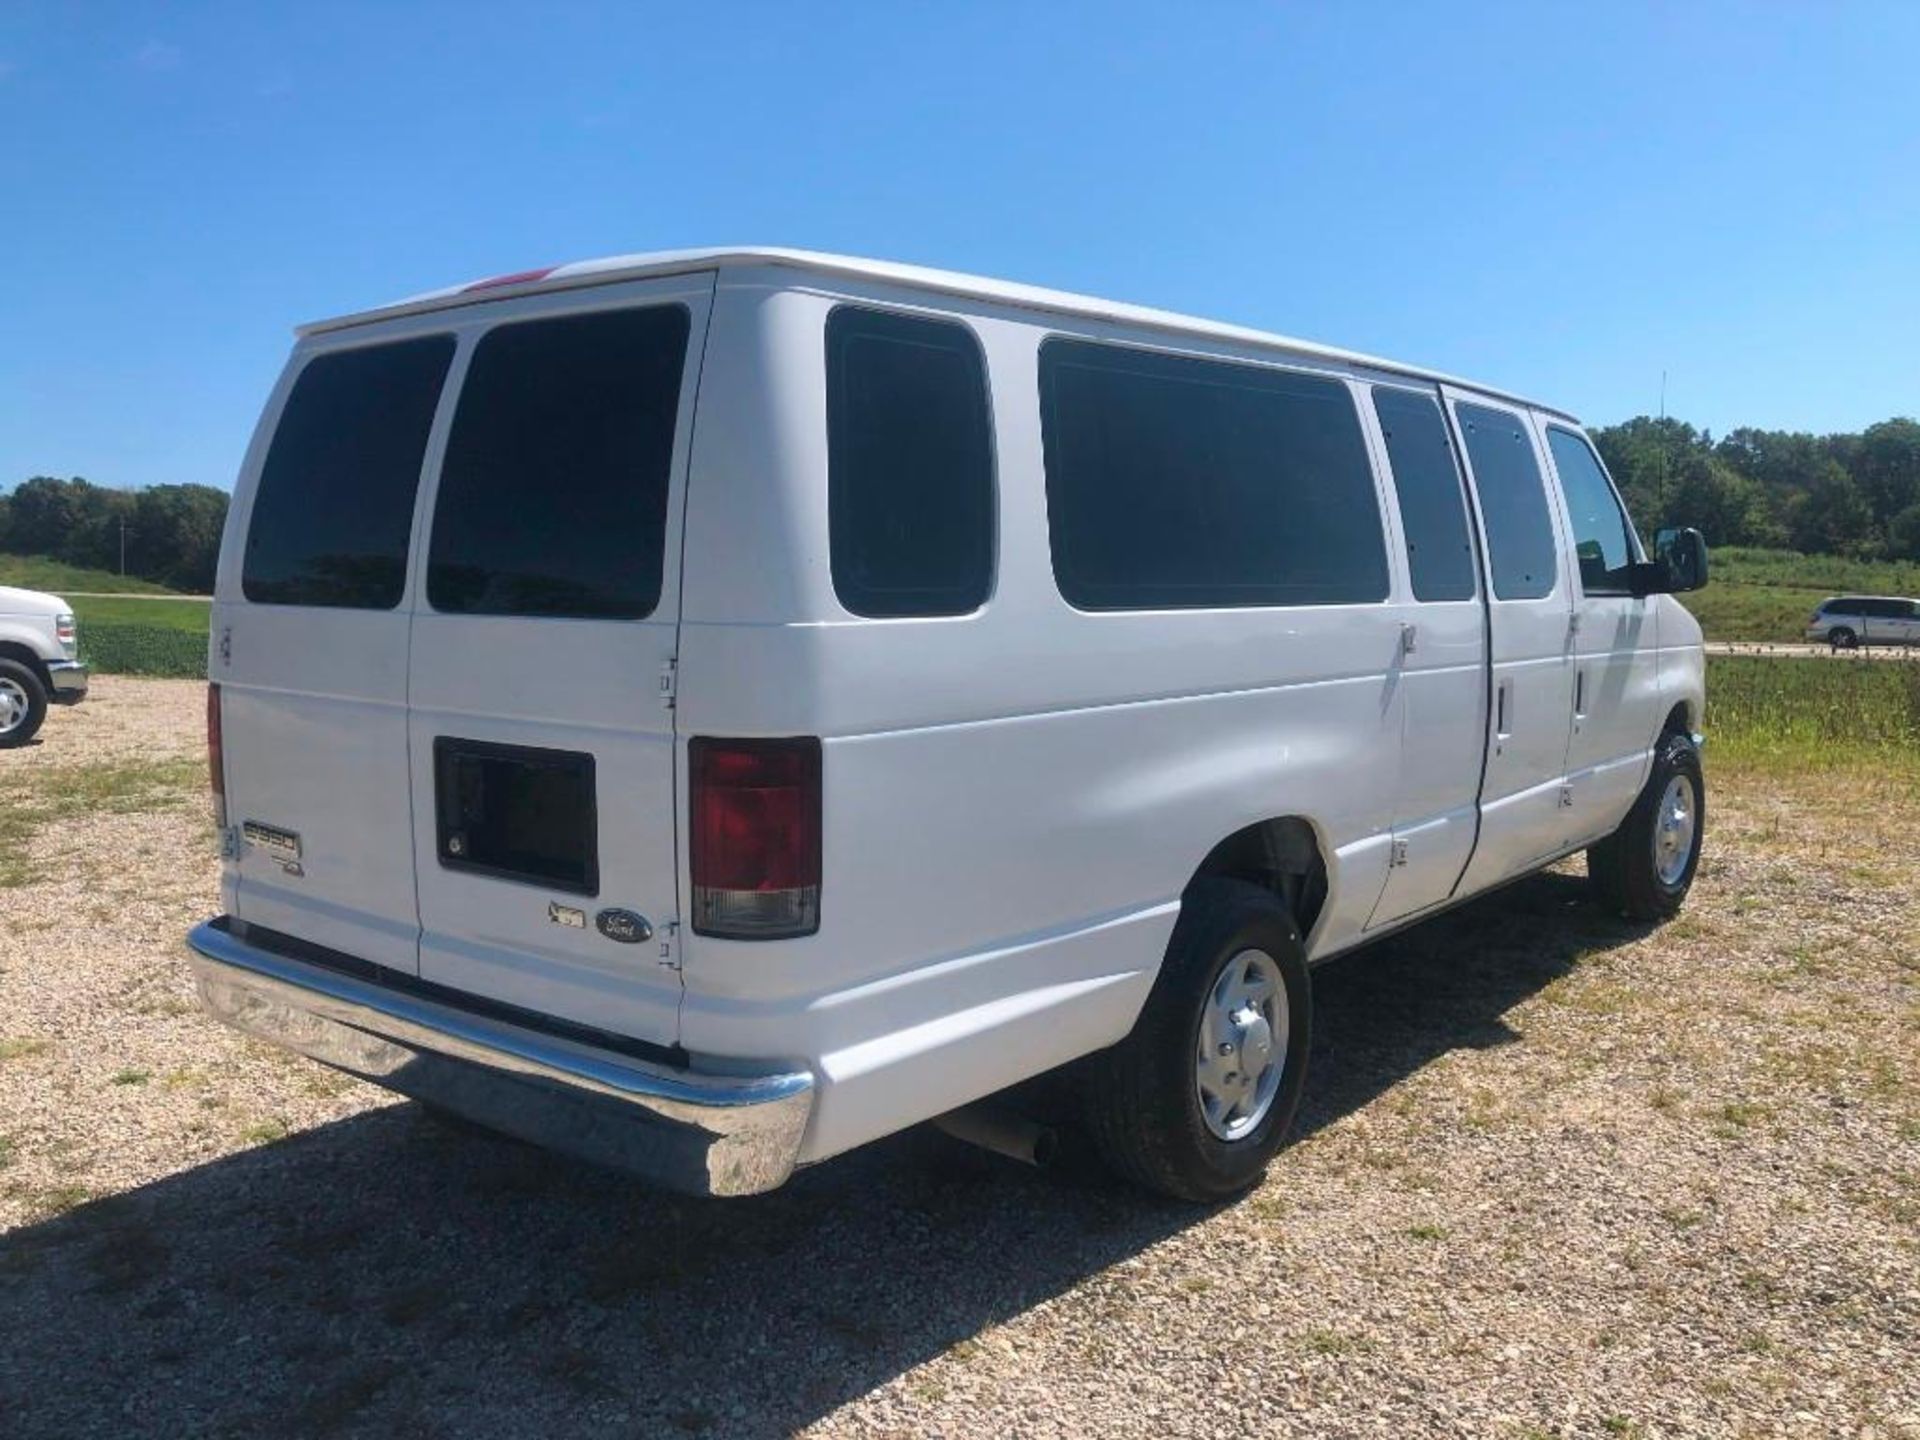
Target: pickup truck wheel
1645, 868
1197, 1100
23, 704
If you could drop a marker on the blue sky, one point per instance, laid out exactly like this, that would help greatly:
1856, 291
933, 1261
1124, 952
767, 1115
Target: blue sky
1565, 199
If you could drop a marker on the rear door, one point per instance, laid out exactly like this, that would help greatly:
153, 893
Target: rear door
541, 727
1523, 818
310, 631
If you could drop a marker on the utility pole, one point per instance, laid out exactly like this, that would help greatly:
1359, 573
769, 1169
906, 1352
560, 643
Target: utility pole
123, 546
1661, 518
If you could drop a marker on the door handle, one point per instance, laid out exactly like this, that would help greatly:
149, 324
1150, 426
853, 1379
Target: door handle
1503, 710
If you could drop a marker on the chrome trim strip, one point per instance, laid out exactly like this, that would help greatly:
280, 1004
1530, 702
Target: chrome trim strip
704, 1133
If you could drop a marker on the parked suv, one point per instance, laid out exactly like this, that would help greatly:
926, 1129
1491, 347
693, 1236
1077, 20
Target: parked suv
706, 711
39, 647
1849, 620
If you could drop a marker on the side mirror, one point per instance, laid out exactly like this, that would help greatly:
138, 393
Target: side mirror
1683, 554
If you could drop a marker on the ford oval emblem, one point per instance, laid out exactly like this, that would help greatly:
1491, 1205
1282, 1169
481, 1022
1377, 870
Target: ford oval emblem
623, 926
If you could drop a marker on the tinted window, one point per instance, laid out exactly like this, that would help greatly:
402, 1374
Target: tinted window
334, 506
1433, 509
1602, 539
1520, 543
910, 465
553, 498
1179, 482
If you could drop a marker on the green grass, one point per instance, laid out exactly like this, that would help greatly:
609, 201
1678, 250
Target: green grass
1768, 595
162, 611
37, 572
1728, 610
1815, 713
1829, 574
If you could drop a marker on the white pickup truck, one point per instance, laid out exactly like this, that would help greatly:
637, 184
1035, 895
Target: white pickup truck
39, 663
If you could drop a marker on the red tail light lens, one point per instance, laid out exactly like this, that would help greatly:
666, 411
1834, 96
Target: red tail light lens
755, 854
216, 765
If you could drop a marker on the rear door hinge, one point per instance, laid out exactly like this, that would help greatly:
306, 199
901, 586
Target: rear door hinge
669, 679
229, 842
669, 935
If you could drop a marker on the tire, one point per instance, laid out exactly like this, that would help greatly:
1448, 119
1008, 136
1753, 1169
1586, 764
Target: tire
1841, 638
1143, 1099
23, 704
1645, 868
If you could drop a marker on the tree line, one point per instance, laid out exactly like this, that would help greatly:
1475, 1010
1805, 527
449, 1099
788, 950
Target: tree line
1844, 494
171, 532
1841, 494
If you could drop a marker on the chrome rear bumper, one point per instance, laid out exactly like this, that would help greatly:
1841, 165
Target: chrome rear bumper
703, 1133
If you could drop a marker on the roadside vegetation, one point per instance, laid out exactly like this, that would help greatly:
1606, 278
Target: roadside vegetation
1794, 715
40, 572
128, 626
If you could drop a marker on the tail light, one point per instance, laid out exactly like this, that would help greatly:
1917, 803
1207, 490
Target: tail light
216, 766
755, 857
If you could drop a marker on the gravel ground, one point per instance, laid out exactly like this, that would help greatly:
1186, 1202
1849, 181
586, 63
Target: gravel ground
1555, 1176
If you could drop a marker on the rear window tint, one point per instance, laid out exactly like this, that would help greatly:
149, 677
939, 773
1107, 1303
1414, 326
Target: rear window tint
1175, 482
1521, 550
334, 506
910, 464
1433, 507
553, 497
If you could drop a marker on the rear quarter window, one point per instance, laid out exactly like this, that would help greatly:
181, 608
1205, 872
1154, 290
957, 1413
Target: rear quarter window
553, 497
909, 464
334, 506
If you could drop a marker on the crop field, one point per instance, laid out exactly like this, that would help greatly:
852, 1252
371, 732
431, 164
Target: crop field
1556, 1175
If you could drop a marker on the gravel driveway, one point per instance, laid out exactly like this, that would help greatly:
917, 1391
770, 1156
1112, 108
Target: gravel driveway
1556, 1176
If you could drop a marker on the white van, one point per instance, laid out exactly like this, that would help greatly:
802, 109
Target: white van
705, 711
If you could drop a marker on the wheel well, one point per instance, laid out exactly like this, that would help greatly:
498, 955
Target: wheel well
1281, 854
10, 650
1678, 722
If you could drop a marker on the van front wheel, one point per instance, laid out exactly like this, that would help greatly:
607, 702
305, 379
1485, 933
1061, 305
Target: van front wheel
1199, 1097
1645, 868
23, 704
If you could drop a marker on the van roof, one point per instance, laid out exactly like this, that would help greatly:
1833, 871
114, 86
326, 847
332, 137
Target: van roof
617, 268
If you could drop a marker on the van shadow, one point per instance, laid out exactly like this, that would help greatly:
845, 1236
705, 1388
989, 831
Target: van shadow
387, 1275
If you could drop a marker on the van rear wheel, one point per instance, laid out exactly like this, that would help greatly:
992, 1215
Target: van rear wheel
23, 704
1645, 868
1199, 1097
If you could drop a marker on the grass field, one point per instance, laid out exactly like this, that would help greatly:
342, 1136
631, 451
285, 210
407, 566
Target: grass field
1812, 715
37, 572
159, 612
1769, 594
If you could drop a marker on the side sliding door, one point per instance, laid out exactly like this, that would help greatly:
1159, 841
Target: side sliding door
1523, 799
